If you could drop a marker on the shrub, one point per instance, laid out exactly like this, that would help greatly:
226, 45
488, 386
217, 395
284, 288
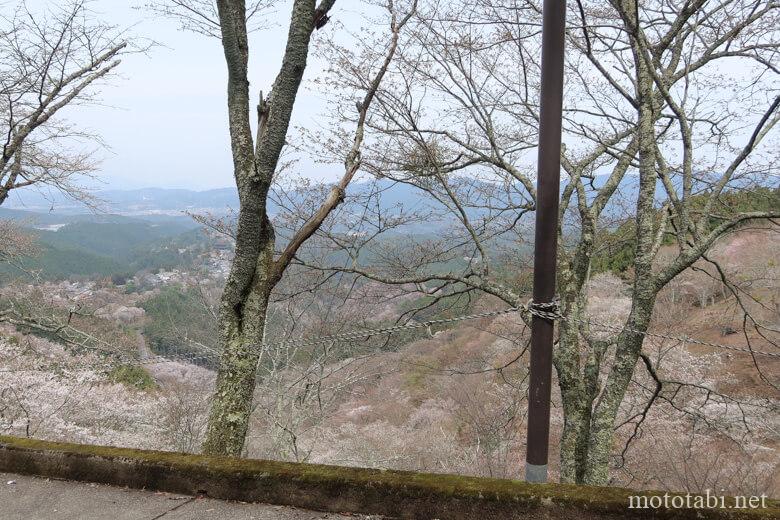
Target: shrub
132, 376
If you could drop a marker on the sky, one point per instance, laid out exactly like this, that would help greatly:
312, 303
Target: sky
164, 117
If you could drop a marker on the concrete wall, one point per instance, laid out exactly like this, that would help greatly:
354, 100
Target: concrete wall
332, 488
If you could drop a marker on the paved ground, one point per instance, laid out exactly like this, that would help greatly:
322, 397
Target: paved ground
30, 498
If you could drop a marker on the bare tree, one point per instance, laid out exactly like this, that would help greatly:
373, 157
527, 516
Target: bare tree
202, 16
257, 266
48, 62
16, 243
655, 127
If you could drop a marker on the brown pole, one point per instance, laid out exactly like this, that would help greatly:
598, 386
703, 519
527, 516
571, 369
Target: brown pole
546, 241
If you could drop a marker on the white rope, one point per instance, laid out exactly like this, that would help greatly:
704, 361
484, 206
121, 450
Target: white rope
548, 311
368, 333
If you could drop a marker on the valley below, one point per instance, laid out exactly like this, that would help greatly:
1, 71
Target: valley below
449, 400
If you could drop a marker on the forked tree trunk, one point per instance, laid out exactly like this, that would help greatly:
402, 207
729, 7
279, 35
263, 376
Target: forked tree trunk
590, 409
253, 272
242, 329
577, 402
629, 342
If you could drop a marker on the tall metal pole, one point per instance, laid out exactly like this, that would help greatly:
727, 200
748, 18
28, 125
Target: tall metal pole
546, 242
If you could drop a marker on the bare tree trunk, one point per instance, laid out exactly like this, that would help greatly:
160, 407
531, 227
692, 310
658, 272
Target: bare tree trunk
241, 328
629, 343
49, 64
255, 271
576, 397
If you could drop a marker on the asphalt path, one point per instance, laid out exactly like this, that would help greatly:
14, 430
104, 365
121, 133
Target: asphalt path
32, 498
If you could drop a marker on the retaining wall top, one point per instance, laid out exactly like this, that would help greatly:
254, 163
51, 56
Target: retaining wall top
398, 494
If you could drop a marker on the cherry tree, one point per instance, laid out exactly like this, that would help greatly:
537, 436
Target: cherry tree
670, 109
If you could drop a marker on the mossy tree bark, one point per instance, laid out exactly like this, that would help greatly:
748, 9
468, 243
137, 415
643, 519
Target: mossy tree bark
256, 268
590, 406
629, 343
253, 273
579, 377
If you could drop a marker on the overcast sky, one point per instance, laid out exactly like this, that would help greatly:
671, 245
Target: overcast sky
165, 116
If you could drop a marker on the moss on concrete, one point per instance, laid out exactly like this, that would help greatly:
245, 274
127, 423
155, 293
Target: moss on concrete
333, 487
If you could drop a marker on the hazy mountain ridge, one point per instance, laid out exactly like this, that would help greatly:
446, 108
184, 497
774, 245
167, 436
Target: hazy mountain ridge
143, 228
153, 201
174, 202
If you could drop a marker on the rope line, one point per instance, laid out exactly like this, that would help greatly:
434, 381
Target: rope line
548, 311
368, 333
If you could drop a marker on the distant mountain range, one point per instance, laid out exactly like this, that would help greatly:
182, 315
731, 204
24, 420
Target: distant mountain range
148, 228
52, 208
146, 201
174, 202
103, 245
160, 202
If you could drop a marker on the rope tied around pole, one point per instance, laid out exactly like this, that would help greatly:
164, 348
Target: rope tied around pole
546, 310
